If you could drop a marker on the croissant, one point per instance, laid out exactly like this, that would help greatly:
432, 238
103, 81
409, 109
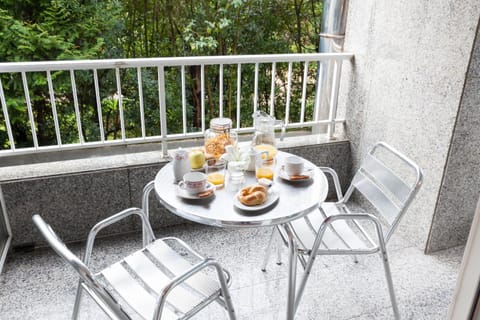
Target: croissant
252, 195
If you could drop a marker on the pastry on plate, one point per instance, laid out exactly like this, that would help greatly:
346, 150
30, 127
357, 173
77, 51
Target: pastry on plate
253, 195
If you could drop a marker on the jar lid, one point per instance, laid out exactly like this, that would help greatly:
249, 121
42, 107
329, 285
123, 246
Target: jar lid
221, 123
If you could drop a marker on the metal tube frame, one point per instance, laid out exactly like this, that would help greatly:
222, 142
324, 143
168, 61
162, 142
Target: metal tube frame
4, 227
146, 209
148, 236
208, 262
381, 247
160, 63
91, 240
288, 234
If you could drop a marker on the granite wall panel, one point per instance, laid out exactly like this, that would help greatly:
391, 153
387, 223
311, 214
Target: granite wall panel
73, 202
159, 215
460, 187
405, 85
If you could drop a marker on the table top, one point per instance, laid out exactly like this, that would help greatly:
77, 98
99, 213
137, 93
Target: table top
296, 199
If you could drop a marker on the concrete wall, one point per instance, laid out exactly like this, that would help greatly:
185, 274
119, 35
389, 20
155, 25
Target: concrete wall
405, 86
73, 199
461, 183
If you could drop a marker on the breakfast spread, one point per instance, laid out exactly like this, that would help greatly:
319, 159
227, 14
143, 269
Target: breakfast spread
220, 148
253, 195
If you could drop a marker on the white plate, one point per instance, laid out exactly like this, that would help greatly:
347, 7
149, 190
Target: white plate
306, 172
183, 193
271, 198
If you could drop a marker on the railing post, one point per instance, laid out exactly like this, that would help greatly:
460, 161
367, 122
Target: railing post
29, 109
316, 129
99, 105
332, 114
140, 101
120, 103
6, 117
163, 110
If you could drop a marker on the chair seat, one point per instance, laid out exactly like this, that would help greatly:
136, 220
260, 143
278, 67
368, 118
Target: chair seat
339, 236
140, 278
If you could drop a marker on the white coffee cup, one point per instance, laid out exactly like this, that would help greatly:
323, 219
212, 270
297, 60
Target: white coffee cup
294, 165
194, 182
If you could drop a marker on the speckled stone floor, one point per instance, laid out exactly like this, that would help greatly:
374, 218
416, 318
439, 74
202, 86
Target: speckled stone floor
38, 285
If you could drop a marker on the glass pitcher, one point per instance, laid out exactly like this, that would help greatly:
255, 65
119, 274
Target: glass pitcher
264, 125
264, 136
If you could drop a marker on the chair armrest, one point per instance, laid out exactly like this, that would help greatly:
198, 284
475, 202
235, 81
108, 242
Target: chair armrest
336, 181
207, 262
348, 216
145, 195
354, 216
114, 219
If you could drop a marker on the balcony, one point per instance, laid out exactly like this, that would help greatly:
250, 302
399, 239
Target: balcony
385, 93
120, 156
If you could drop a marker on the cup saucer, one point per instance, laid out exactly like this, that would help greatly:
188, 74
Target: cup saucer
182, 192
306, 174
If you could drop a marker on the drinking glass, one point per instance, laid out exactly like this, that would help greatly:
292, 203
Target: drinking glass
264, 168
215, 170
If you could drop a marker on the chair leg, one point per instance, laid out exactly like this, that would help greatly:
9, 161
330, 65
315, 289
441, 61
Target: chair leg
78, 298
225, 293
303, 282
268, 251
388, 276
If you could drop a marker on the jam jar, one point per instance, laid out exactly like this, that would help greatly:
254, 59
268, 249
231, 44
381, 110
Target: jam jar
219, 135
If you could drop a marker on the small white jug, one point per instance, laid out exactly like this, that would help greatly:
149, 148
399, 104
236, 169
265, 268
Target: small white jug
181, 164
254, 156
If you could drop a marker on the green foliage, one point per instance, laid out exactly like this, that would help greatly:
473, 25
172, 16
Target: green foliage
40, 30
51, 30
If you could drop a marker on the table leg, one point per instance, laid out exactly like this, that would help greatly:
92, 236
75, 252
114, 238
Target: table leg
292, 273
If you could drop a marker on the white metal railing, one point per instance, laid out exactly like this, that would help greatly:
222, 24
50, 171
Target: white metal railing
160, 64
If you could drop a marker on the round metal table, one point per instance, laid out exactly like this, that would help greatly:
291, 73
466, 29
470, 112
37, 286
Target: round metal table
296, 199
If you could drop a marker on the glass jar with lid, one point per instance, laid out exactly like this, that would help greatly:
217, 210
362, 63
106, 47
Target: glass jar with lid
219, 135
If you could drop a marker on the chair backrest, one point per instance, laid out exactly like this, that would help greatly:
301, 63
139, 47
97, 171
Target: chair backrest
389, 181
86, 276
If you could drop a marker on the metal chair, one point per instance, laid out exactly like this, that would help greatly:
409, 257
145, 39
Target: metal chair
386, 184
156, 282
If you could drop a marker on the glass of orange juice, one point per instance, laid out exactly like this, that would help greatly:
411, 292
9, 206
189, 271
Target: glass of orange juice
264, 168
215, 170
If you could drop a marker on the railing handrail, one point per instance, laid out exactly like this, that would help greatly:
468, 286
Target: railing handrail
71, 66
35, 66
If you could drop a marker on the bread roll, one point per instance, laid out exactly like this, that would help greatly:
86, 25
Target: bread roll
253, 195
